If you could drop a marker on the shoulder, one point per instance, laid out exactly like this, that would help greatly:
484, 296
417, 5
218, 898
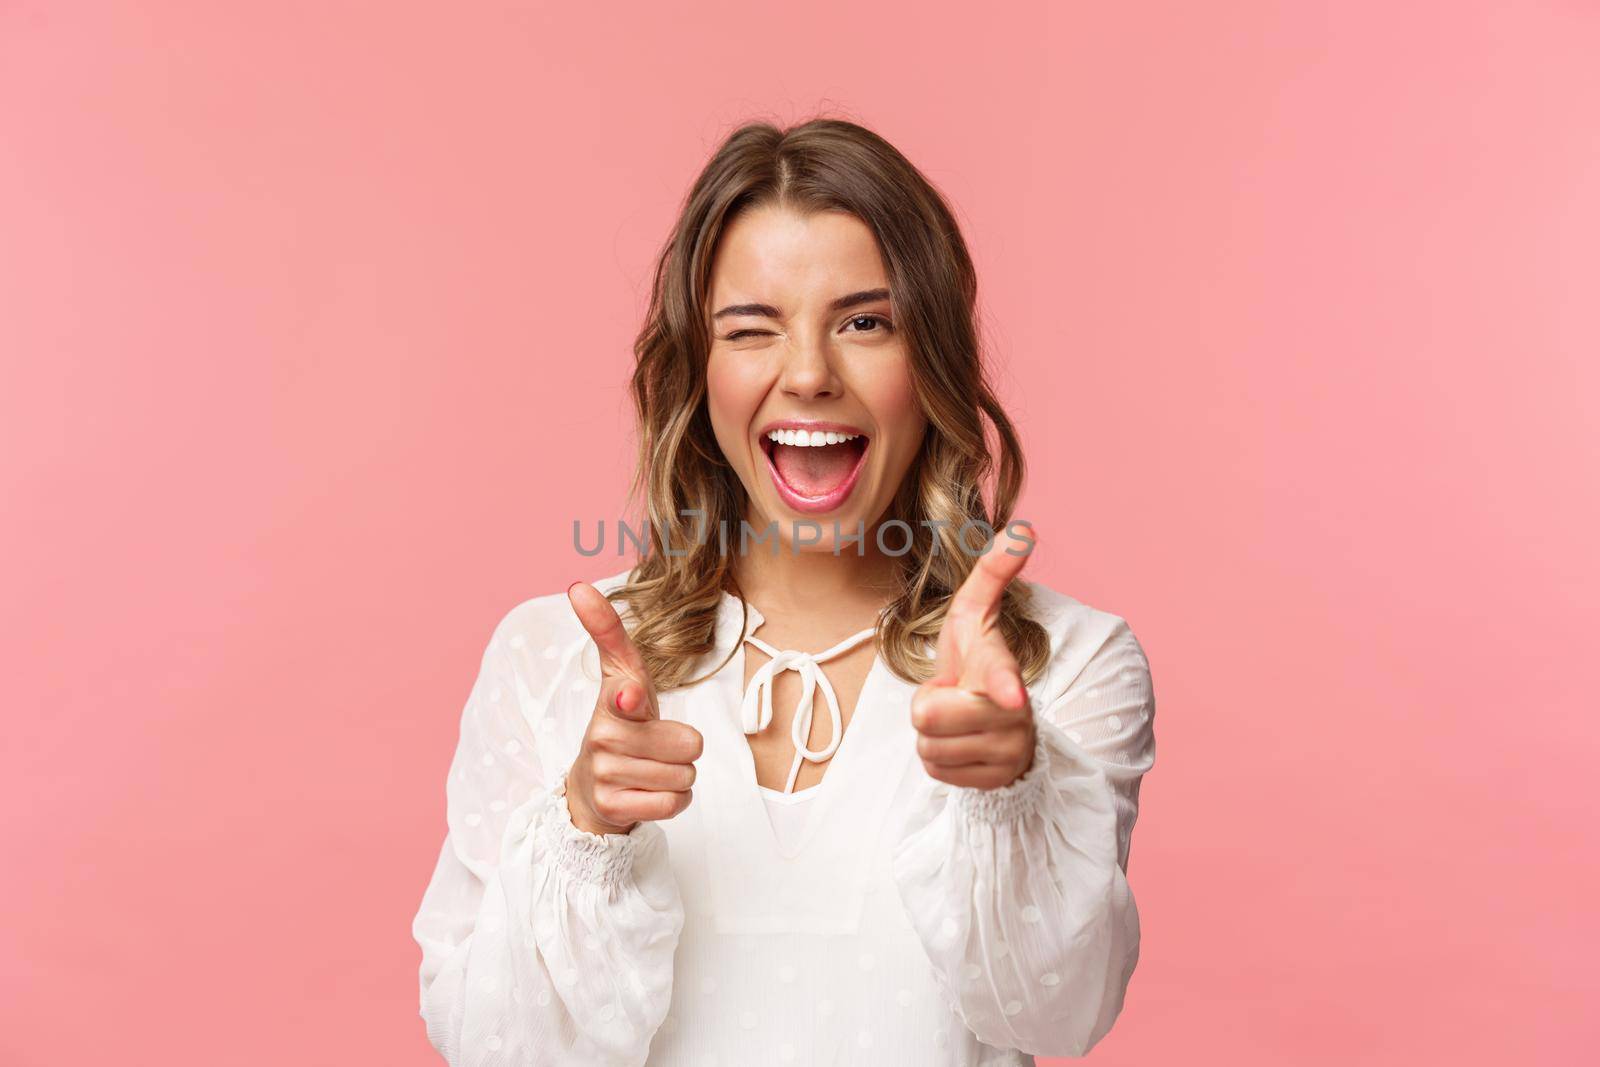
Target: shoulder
546, 621
541, 656
538, 643
1073, 625
1086, 642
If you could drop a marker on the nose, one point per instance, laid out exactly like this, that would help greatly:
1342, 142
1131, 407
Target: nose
808, 372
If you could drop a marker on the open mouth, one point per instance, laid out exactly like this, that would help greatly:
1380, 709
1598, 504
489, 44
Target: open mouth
814, 470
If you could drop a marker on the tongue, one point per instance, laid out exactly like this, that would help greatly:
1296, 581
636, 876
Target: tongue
815, 471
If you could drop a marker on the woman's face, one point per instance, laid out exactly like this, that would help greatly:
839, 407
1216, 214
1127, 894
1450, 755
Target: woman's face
804, 343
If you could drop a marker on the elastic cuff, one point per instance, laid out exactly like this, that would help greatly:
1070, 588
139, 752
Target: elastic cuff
598, 859
1009, 802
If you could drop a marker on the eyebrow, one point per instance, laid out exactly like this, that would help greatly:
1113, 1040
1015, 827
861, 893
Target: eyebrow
865, 296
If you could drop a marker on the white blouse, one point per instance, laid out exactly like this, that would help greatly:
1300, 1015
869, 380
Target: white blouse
787, 816
886, 919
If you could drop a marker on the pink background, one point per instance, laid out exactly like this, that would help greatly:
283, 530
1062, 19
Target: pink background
315, 322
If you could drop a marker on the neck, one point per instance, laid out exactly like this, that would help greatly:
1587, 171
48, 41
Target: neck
817, 582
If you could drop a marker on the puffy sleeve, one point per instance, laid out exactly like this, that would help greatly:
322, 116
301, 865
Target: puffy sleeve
1020, 895
541, 943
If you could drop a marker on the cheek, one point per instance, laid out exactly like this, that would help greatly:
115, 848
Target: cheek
898, 413
732, 397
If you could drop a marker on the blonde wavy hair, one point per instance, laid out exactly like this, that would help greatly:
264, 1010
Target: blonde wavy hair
825, 164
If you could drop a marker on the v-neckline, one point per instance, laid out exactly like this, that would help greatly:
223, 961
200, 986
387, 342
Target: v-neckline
732, 608
819, 886
840, 760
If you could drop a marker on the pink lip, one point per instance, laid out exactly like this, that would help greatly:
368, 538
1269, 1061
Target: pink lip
808, 425
812, 504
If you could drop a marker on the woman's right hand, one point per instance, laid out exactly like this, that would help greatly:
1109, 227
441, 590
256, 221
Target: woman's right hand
632, 766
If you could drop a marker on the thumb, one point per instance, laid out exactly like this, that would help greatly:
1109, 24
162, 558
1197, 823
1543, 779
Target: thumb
625, 682
978, 599
974, 607
946, 658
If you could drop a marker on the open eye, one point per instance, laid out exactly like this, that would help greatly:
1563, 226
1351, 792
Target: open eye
874, 323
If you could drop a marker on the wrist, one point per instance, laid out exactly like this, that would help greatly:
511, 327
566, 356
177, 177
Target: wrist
1032, 753
600, 859
1014, 800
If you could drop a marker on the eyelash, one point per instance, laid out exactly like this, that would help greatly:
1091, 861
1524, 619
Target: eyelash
879, 319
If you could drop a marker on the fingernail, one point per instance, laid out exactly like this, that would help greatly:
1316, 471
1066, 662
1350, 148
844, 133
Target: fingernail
573, 586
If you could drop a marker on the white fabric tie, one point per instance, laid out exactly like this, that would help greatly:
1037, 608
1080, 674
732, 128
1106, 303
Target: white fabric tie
756, 711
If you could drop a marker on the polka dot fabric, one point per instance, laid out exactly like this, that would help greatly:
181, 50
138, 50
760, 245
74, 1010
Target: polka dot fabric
917, 923
1040, 958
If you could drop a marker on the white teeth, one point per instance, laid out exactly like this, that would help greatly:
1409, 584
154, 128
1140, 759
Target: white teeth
809, 438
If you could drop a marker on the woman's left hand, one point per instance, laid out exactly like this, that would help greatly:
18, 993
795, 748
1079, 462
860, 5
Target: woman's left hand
973, 720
